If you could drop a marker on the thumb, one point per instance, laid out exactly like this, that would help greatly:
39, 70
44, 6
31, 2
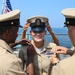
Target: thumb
54, 55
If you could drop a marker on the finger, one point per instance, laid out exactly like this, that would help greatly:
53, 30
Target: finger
26, 40
54, 55
28, 24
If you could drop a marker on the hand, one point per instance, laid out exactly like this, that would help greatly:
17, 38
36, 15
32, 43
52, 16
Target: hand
24, 41
48, 27
31, 50
26, 26
54, 59
61, 50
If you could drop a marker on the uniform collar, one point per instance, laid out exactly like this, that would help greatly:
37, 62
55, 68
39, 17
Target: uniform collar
43, 48
5, 45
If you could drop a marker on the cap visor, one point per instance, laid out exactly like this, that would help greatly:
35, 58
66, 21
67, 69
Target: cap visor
38, 29
20, 26
65, 26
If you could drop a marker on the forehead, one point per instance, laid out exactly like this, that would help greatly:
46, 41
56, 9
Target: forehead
15, 28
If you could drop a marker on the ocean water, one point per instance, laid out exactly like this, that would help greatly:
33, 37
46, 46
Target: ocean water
61, 33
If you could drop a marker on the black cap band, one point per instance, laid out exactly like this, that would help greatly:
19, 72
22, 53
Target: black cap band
70, 21
15, 22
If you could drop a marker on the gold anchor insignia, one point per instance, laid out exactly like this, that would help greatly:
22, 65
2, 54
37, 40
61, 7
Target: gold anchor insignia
12, 23
38, 22
67, 22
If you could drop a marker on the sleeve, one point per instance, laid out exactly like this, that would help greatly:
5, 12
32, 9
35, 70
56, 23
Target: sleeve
21, 56
16, 69
57, 70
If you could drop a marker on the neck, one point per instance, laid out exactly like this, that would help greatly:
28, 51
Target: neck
2, 38
39, 44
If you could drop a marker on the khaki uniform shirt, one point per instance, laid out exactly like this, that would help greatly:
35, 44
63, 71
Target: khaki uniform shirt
65, 67
9, 63
72, 48
42, 59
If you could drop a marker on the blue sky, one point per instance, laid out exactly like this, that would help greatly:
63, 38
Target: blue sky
49, 8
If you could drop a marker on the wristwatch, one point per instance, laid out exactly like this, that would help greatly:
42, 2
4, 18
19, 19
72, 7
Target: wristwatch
54, 64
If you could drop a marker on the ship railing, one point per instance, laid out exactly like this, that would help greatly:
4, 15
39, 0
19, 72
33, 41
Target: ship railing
63, 40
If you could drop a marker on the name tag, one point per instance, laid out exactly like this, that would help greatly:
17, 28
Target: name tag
48, 53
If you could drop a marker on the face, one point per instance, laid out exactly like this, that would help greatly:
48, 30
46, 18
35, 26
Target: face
14, 33
70, 30
71, 33
39, 36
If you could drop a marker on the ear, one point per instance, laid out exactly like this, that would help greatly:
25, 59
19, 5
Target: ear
74, 28
8, 32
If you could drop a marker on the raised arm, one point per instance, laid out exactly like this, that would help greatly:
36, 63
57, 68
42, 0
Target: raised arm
25, 28
55, 39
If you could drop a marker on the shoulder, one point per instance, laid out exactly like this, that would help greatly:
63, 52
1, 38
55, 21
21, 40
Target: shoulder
50, 44
65, 66
8, 60
72, 48
66, 63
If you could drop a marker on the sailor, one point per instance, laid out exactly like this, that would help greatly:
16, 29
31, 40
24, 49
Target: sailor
9, 25
43, 49
66, 66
